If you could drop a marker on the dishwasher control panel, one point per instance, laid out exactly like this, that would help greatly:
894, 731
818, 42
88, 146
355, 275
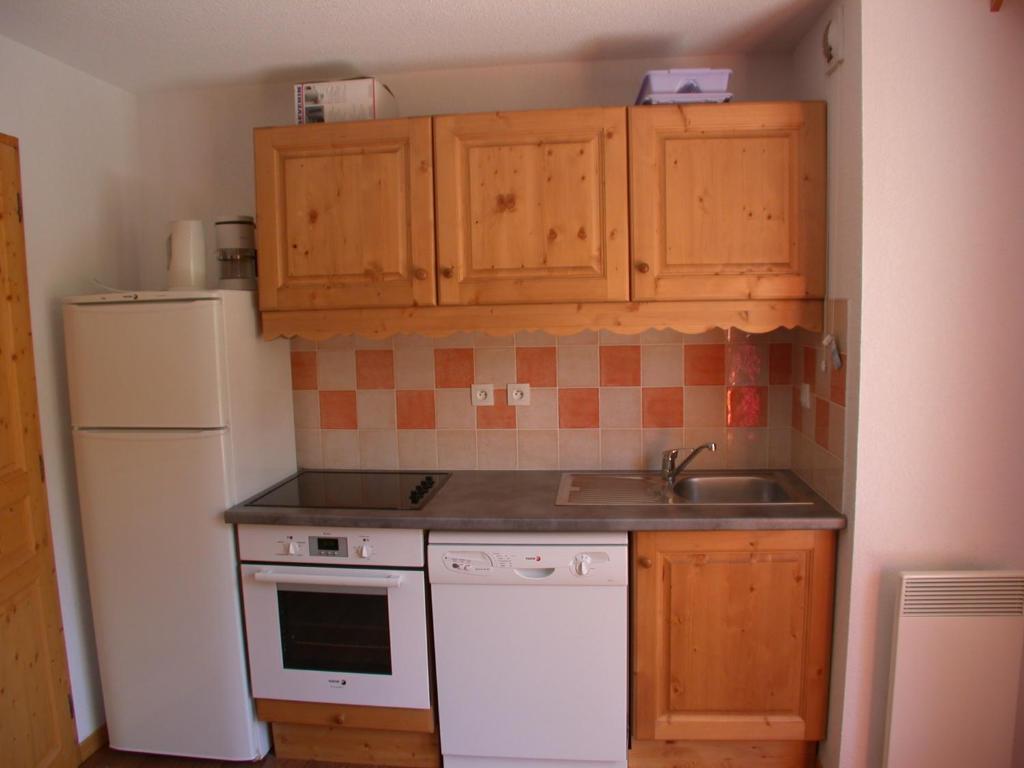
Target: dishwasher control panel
526, 564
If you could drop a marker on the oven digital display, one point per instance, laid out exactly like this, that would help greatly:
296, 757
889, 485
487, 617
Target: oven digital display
328, 545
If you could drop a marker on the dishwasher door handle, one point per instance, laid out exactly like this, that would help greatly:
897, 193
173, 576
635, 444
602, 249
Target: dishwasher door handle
380, 582
534, 573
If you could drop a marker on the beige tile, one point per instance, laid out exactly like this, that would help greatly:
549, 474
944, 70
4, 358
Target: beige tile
620, 407
375, 408
780, 406
662, 365
342, 341
306, 403
622, 449
495, 365
481, 339
336, 368
496, 449
414, 368
542, 412
579, 449
341, 448
417, 449
577, 339
827, 478
694, 436
822, 378
656, 442
364, 342
836, 430
712, 336
308, 449
803, 456
538, 449
807, 419
661, 336
704, 406
453, 409
457, 340
780, 447
612, 339
412, 341
456, 449
378, 449
301, 345
578, 366
746, 448
535, 339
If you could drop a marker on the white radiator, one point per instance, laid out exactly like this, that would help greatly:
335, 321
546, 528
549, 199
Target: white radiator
955, 670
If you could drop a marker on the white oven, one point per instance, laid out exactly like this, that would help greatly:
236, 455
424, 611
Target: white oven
336, 615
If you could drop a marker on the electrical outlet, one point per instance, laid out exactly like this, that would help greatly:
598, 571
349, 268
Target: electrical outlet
518, 394
482, 394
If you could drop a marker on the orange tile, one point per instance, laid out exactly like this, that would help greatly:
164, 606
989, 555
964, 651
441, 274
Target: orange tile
704, 364
797, 409
663, 406
620, 366
780, 364
536, 366
746, 407
453, 367
375, 369
501, 415
303, 370
838, 384
338, 409
415, 408
745, 365
809, 363
821, 422
579, 408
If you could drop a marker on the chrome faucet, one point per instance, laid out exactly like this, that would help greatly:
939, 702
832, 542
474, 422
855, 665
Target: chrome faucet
669, 468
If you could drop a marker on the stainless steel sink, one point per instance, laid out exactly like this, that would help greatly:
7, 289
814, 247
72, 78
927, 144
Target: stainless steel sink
704, 488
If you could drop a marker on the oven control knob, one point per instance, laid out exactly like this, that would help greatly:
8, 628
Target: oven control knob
581, 565
292, 548
364, 550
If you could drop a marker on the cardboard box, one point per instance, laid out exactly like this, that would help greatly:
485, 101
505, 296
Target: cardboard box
338, 101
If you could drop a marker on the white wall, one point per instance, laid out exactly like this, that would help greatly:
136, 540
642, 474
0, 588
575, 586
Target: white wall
842, 91
939, 457
78, 164
197, 143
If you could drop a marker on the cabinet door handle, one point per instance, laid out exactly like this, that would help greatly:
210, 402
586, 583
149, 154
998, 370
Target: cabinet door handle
420, 274
447, 272
643, 267
646, 562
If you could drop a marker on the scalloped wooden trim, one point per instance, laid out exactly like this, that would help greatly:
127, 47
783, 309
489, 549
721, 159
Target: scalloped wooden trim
559, 319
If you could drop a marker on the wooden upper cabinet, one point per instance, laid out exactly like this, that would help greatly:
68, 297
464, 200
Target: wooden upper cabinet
732, 634
532, 207
345, 215
728, 201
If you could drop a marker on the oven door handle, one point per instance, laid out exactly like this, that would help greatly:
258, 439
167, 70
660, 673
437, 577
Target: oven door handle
380, 582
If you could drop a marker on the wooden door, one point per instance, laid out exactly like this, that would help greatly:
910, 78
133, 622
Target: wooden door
732, 633
345, 215
532, 207
36, 727
728, 201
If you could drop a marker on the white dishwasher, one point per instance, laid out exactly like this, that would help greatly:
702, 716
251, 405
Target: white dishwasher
530, 643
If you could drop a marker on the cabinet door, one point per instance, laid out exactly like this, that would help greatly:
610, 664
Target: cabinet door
732, 631
532, 207
345, 215
728, 201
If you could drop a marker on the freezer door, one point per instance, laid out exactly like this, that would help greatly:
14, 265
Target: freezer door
164, 590
146, 364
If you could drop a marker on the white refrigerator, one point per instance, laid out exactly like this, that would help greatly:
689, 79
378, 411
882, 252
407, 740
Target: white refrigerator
179, 410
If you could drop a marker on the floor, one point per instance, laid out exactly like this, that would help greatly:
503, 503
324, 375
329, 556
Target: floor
109, 758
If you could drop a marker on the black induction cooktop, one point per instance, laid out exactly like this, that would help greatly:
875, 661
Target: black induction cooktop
325, 489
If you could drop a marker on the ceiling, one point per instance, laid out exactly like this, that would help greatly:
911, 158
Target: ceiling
144, 45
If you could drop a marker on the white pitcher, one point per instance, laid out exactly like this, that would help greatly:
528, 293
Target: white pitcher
186, 261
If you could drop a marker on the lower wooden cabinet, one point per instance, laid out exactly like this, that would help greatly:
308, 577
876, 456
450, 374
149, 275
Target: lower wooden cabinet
731, 635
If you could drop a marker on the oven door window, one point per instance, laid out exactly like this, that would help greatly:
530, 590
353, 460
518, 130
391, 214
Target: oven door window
335, 631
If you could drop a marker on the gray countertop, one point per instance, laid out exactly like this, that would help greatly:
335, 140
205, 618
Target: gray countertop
525, 501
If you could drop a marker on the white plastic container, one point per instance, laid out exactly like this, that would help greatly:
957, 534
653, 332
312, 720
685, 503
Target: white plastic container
659, 85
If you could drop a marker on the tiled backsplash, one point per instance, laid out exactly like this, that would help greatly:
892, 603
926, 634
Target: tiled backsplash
598, 400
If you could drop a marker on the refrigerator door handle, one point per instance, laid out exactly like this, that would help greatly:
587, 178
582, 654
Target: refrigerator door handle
380, 582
